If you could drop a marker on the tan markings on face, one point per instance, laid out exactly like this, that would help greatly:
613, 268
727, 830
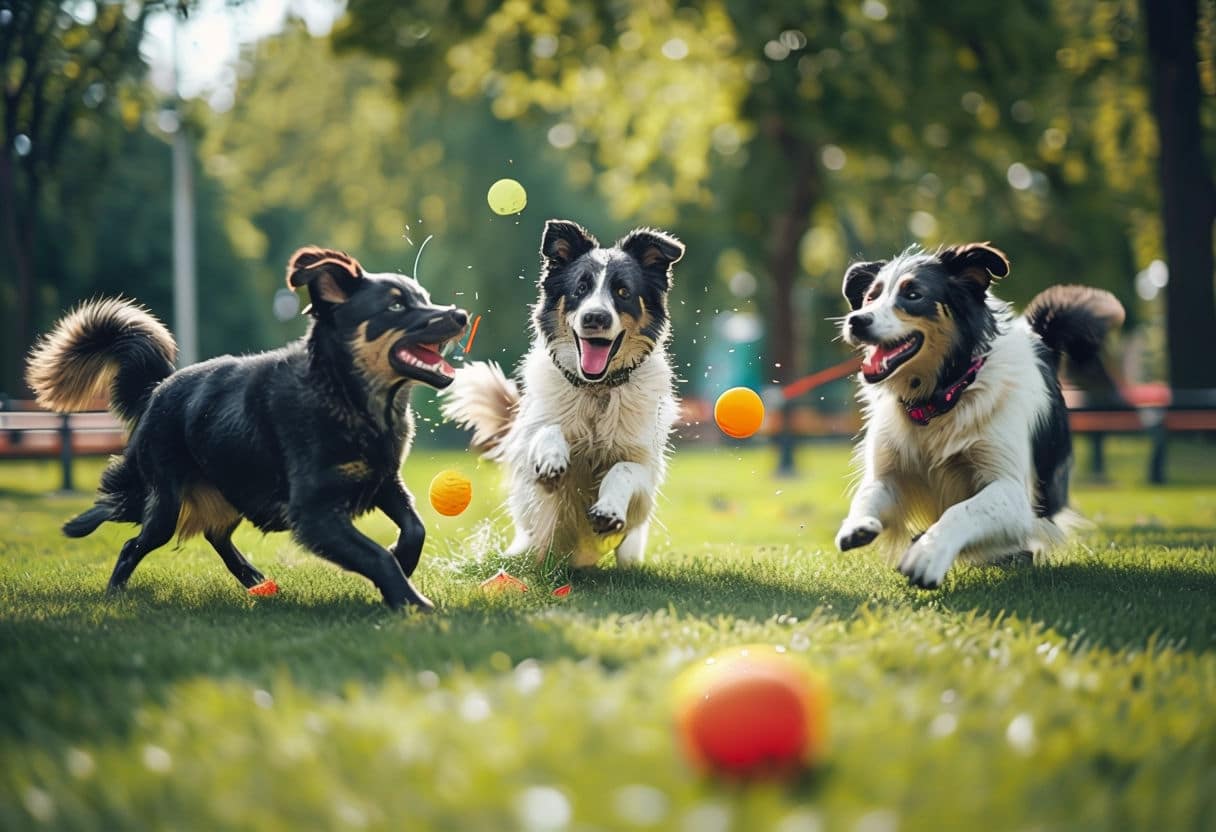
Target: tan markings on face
204, 509
355, 470
918, 375
563, 324
635, 345
371, 357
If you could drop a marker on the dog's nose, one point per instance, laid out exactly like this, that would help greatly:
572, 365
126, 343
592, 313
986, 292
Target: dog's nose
459, 316
859, 323
597, 319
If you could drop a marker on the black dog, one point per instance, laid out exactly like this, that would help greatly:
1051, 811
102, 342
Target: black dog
300, 439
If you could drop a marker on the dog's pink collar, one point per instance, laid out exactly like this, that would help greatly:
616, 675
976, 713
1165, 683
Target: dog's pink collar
943, 400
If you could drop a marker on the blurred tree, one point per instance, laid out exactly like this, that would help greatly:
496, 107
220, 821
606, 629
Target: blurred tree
797, 134
113, 236
69, 71
320, 148
1188, 195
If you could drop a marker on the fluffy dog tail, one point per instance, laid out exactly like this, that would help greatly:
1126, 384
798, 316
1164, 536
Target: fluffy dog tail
484, 400
1074, 321
102, 346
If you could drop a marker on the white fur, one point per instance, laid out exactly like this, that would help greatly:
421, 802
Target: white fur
573, 453
966, 478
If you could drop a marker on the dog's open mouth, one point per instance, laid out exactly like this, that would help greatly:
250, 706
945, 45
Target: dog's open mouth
595, 354
883, 359
424, 362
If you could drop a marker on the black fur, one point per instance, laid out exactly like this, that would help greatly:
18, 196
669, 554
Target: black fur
1071, 321
857, 281
299, 439
1051, 442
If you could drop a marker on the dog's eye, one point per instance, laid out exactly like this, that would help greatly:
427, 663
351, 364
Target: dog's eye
396, 306
911, 294
582, 287
622, 292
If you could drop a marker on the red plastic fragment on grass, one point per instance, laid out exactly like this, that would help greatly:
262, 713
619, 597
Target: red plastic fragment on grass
562, 591
504, 582
266, 587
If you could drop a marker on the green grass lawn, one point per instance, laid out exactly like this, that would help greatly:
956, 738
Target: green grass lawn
1076, 695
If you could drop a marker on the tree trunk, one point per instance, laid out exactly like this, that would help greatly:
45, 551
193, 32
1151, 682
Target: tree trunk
788, 230
1188, 196
20, 238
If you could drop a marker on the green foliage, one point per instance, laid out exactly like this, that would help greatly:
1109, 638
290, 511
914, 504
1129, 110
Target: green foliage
848, 128
1071, 695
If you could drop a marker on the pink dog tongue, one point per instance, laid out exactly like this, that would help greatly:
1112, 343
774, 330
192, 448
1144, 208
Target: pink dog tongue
876, 360
594, 357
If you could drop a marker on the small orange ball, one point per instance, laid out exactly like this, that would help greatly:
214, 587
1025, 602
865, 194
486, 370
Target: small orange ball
739, 412
450, 492
751, 711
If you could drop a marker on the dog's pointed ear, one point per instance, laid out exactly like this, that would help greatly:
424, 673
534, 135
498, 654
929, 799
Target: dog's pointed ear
655, 251
331, 276
857, 280
975, 263
563, 242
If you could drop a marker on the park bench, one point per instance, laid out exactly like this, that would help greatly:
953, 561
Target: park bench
28, 432
1152, 410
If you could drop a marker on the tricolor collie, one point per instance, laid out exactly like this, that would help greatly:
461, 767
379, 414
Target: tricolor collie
584, 433
967, 449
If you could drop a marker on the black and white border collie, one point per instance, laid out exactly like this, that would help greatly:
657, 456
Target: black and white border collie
585, 441
966, 449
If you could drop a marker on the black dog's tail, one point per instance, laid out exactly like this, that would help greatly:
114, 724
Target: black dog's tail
102, 346
1074, 321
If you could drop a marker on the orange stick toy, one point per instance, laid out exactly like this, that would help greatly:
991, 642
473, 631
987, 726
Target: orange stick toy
472, 334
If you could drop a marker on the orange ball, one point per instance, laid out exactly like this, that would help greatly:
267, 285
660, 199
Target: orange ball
739, 412
751, 711
450, 493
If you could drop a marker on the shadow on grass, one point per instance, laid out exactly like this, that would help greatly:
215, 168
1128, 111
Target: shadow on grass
77, 664
1113, 606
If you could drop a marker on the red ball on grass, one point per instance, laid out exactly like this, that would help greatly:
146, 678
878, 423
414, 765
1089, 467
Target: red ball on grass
751, 712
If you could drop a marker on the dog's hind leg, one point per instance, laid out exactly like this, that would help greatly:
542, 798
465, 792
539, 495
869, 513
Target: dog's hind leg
520, 544
633, 548
238, 564
158, 524
395, 501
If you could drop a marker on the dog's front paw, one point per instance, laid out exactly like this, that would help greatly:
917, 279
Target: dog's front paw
924, 564
605, 520
858, 532
550, 466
